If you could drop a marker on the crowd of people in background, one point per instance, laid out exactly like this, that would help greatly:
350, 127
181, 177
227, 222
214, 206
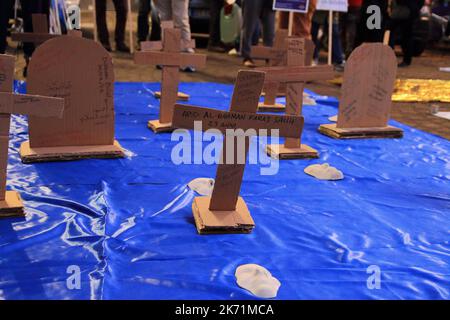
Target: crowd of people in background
257, 20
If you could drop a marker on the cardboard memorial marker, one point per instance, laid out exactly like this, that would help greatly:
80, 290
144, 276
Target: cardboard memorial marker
171, 60
365, 105
40, 32
225, 211
158, 46
10, 201
295, 75
80, 71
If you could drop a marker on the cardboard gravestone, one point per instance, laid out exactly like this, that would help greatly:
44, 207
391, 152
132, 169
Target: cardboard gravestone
275, 56
368, 84
295, 74
10, 201
225, 211
170, 59
158, 46
81, 72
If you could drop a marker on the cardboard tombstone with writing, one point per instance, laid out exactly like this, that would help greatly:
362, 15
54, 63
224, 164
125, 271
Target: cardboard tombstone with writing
170, 59
80, 71
32, 105
366, 96
158, 46
225, 211
295, 74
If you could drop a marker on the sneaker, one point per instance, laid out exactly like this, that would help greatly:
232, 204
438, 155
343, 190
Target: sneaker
233, 52
189, 50
339, 67
249, 63
188, 69
122, 47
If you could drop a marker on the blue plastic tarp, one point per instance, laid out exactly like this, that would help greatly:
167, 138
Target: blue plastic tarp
127, 224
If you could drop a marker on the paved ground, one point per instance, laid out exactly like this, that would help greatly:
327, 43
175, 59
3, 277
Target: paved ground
223, 68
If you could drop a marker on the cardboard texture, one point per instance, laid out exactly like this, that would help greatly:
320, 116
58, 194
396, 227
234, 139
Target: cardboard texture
365, 104
80, 71
40, 32
10, 201
295, 74
275, 56
223, 211
171, 60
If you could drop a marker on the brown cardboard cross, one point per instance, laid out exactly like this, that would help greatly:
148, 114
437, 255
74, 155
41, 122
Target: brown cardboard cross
276, 56
10, 201
295, 75
171, 60
225, 211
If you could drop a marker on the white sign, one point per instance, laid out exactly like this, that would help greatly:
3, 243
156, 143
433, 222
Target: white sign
332, 5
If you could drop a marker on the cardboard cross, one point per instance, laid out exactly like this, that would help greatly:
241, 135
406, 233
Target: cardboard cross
366, 96
80, 71
158, 45
295, 75
171, 60
40, 32
10, 201
225, 211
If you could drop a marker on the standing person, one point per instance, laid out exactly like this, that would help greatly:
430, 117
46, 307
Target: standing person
177, 11
365, 34
143, 27
349, 24
6, 9
302, 22
214, 43
121, 21
403, 15
253, 11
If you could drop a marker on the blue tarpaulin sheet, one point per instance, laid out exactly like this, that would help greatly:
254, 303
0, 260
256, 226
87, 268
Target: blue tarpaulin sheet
127, 224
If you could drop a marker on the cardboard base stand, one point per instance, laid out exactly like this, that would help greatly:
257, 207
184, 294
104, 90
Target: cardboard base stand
221, 222
66, 153
180, 96
12, 206
159, 127
360, 133
279, 151
276, 107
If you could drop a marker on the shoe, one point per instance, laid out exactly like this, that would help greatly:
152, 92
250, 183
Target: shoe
249, 63
233, 52
122, 47
404, 64
189, 50
107, 47
339, 67
216, 48
188, 69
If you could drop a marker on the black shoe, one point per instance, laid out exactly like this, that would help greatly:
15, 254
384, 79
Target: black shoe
216, 48
404, 64
107, 47
122, 47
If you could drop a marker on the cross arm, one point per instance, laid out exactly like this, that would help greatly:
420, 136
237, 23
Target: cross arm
32, 37
298, 73
170, 59
157, 45
32, 105
184, 116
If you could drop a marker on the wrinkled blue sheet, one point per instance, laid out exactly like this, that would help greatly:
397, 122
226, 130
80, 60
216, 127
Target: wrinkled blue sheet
127, 224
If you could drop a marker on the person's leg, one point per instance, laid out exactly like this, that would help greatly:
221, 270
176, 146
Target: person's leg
407, 41
315, 38
102, 28
155, 33
6, 7
180, 14
268, 23
142, 20
250, 20
337, 56
121, 21
214, 23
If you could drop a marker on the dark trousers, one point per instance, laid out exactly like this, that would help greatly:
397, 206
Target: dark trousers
121, 20
336, 54
143, 25
6, 10
253, 12
349, 25
214, 22
403, 28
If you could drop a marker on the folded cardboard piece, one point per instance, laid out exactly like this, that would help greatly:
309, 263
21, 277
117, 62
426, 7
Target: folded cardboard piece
295, 74
40, 32
365, 104
10, 201
80, 71
170, 59
225, 211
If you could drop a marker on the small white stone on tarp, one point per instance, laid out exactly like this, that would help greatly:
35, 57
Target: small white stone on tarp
324, 172
258, 280
203, 186
333, 118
